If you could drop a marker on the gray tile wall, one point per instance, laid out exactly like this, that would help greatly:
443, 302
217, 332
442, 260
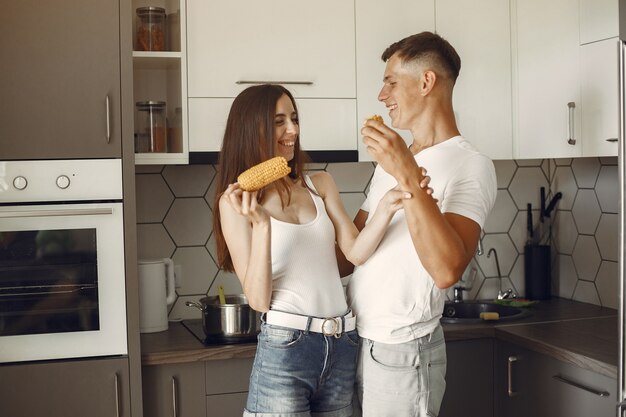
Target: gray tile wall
174, 218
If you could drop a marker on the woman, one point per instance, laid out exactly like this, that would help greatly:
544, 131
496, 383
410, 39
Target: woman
280, 241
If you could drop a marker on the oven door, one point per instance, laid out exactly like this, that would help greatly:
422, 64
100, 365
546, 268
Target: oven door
62, 282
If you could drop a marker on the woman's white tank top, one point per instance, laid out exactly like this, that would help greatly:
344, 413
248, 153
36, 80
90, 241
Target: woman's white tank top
304, 266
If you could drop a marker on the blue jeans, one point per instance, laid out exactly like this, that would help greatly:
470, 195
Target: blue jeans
298, 373
402, 380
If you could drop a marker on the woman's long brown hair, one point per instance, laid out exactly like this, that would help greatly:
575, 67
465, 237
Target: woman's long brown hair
249, 140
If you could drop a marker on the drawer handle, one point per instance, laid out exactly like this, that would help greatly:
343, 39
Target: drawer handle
583, 387
108, 119
275, 82
571, 106
510, 376
117, 395
611, 140
174, 397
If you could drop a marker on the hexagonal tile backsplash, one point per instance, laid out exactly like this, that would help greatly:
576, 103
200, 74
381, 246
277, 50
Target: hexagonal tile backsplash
174, 217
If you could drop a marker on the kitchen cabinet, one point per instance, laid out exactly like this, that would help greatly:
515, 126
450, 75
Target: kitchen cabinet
214, 388
95, 388
546, 77
378, 25
599, 98
61, 80
469, 379
162, 76
480, 31
598, 20
309, 49
174, 390
565, 60
531, 383
227, 386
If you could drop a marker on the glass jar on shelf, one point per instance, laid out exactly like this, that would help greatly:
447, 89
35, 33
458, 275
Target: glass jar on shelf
151, 128
150, 34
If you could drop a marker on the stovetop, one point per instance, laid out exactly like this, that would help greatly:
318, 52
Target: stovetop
196, 328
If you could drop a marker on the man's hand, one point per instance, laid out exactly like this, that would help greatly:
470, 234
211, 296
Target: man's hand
390, 151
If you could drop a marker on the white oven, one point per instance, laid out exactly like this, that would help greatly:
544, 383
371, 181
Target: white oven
62, 281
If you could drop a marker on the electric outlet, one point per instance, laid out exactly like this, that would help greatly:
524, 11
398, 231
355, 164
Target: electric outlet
178, 276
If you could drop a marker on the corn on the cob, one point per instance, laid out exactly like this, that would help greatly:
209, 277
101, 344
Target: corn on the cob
376, 117
262, 174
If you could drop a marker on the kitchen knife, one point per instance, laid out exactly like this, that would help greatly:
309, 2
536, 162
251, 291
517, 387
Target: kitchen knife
552, 203
529, 224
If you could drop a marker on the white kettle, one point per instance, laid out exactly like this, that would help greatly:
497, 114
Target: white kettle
156, 293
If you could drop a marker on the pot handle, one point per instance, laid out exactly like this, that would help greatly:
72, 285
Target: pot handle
194, 304
171, 284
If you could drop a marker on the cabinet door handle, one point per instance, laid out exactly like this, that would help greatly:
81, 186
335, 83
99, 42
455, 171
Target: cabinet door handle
108, 114
117, 395
295, 82
570, 108
581, 386
510, 375
612, 140
174, 397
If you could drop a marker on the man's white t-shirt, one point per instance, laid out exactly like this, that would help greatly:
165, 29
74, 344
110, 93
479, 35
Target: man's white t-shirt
393, 296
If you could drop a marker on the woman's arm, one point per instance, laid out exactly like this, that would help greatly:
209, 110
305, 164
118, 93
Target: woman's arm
356, 246
247, 231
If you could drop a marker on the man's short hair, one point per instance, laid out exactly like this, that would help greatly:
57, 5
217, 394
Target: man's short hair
429, 48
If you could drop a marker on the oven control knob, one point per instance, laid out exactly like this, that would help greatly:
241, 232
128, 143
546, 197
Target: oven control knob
63, 182
20, 182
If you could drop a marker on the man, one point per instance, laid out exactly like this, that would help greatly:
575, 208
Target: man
398, 294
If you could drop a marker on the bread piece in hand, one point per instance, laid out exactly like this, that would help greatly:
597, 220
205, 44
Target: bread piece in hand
262, 174
376, 117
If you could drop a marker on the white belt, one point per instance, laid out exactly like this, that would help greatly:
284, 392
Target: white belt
332, 326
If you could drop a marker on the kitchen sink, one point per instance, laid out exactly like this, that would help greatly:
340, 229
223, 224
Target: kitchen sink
469, 312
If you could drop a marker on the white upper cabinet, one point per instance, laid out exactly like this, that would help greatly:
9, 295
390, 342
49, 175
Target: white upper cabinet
309, 47
378, 25
599, 88
480, 31
546, 79
598, 20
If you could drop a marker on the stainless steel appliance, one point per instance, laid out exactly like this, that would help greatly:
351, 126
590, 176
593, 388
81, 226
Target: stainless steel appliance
62, 282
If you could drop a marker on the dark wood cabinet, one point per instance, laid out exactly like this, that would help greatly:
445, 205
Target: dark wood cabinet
469, 379
60, 83
79, 388
174, 390
529, 383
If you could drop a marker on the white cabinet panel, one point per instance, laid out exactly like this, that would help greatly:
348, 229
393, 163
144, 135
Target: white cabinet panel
481, 34
271, 41
378, 25
599, 88
326, 124
598, 20
547, 78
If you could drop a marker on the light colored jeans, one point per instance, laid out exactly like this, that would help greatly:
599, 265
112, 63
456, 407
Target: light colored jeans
402, 380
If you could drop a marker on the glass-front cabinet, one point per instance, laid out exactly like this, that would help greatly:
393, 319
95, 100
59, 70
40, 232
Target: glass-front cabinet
160, 82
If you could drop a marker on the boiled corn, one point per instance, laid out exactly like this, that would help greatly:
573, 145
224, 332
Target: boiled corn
263, 174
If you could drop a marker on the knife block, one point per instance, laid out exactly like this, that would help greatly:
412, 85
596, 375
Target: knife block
537, 272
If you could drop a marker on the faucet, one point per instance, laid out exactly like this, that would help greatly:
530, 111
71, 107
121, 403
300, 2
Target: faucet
508, 293
468, 284
479, 250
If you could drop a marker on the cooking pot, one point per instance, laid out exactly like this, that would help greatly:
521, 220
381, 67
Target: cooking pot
232, 320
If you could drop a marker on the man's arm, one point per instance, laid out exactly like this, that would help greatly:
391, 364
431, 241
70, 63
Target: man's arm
445, 243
